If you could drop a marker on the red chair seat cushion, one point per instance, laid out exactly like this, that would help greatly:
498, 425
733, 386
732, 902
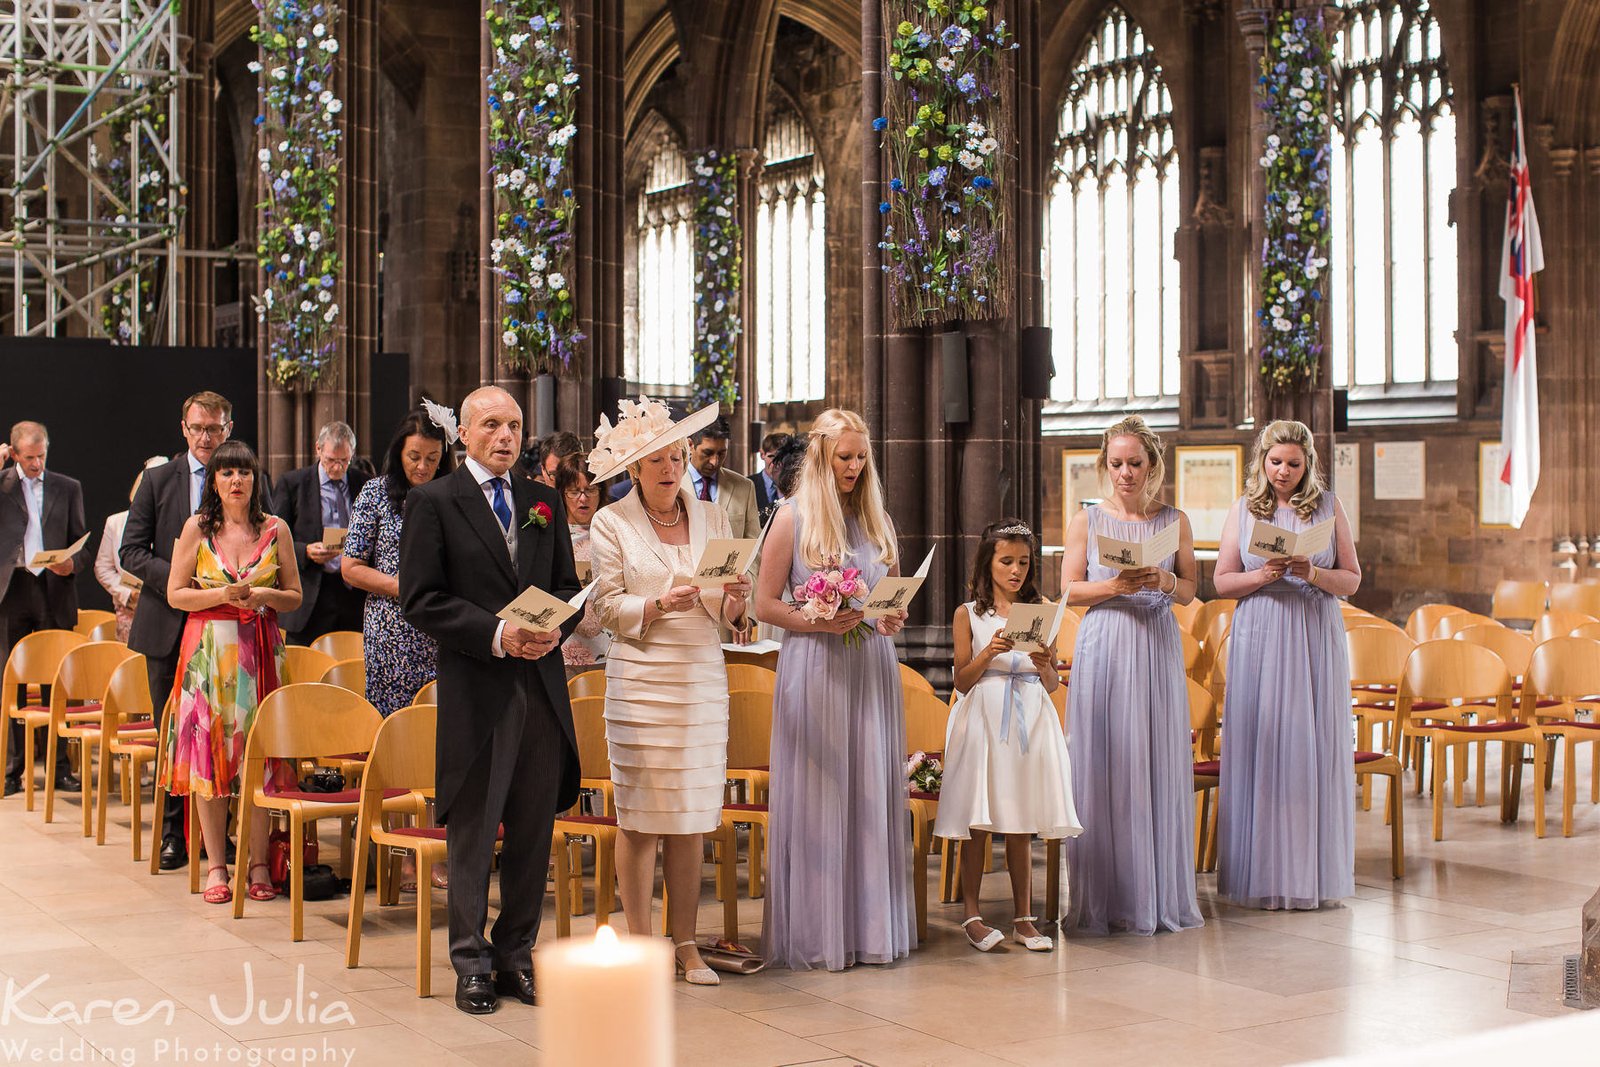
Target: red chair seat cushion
1368, 757
433, 833
1428, 705
344, 796
917, 794
1208, 768
744, 807
144, 724
1489, 728
1579, 725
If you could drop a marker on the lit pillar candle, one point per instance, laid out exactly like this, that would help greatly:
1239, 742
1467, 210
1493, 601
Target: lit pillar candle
606, 1001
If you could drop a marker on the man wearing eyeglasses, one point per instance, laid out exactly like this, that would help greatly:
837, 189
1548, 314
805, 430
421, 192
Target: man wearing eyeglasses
48, 514
312, 500
167, 496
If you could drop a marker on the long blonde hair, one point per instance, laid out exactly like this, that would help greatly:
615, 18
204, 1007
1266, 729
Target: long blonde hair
1134, 426
1259, 496
823, 510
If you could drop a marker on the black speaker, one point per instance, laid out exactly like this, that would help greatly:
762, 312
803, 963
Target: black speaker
612, 390
953, 382
1341, 410
1035, 366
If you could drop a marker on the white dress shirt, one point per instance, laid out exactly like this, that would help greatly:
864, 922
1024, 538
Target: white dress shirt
481, 474
197, 485
33, 536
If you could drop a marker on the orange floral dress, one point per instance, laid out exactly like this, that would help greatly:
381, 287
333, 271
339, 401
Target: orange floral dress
230, 659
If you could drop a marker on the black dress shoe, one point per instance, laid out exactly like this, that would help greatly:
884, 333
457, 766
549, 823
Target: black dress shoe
517, 984
68, 783
173, 853
13, 785
475, 994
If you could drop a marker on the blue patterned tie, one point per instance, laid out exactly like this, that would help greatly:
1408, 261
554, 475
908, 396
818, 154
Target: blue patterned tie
502, 510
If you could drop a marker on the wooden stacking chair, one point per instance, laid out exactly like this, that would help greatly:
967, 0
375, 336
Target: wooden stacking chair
927, 720
1519, 601
1564, 676
89, 619
1201, 624
594, 757
749, 760
1581, 597
1377, 660
305, 720
128, 734
1448, 671
1207, 774
1558, 622
1067, 643
348, 674
301, 663
1211, 641
77, 714
1590, 630
1453, 624
104, 631
1191, 653
588, 684
428, 694
402, 759
33, 662
750, 676
1386, 762
341, 644
1185, 613
1420, 623
767, 659
910, 679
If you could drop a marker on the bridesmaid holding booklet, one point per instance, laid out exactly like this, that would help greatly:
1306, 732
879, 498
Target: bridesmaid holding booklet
1129, 702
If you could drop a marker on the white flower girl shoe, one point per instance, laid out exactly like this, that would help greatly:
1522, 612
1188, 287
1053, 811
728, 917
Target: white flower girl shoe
990, 940
1039, 943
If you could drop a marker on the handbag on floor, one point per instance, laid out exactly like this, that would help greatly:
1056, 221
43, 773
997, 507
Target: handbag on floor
721, 954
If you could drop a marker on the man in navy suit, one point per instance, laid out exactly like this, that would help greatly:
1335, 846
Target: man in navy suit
768, 496
507, 756
313, 499
38, 511
167, 496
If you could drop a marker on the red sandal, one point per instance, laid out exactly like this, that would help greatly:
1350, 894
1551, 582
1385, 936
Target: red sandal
218, 894
262, 890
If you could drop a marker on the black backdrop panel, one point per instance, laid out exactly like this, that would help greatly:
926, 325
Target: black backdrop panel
108, 407
389, 402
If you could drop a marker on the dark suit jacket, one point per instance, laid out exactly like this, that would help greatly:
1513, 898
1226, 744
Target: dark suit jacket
764, 499
299, 504
61, 523
455, 575
155, 520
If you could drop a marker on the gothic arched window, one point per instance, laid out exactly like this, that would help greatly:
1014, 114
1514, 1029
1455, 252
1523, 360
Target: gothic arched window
1393, 265
1111, 282
791, 342
660, 351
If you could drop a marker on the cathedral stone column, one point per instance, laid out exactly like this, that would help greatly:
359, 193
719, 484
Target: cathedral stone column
196, 291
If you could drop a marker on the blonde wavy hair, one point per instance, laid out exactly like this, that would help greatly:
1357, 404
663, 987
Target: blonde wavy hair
1134, 426
1259, 495
823, 535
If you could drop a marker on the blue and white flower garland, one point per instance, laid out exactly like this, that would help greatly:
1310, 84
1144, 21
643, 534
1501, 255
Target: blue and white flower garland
1293, 86
299, 134
130, 171
719, 253
946, 118
533, 102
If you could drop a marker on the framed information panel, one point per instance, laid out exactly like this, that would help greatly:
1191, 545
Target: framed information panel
1207, 480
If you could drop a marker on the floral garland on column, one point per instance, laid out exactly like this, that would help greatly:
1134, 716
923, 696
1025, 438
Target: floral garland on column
947, 119
299, 135
1294, 253
533, 108
719, 248
158, 202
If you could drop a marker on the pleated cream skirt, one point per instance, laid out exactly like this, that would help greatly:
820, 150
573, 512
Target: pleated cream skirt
667, 726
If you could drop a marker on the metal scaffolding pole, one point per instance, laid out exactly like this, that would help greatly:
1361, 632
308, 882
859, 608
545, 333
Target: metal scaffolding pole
91, 171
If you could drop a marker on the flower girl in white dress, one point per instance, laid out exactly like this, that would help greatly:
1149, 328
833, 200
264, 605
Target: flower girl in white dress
1005, 761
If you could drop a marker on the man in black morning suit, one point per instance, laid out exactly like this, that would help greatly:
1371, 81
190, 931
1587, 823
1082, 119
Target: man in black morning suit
39, 510
472, 542
312, 499
167, 496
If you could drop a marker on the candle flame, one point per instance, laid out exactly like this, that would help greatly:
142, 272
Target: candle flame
605, 940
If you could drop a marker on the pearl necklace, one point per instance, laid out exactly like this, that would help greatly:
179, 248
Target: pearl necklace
664, 525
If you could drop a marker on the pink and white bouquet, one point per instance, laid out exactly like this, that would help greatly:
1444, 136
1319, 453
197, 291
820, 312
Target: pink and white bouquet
924, 772
829, 591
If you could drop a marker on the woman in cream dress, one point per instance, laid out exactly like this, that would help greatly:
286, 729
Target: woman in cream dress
666, 683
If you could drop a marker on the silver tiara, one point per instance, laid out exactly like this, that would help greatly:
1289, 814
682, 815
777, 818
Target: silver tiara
1016, 529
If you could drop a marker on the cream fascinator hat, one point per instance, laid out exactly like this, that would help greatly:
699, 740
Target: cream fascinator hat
643, 426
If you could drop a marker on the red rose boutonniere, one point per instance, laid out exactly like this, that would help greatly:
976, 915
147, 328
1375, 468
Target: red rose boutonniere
538, 515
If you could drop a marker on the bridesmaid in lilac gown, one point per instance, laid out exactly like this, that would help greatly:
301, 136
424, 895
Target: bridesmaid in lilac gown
1128, 722
838, 892
1285, 816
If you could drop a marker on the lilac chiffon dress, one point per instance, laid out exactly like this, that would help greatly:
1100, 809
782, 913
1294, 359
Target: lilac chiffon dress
838, 890
1132, 765
1285, 815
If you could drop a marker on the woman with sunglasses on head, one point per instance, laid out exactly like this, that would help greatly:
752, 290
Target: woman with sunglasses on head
581, 497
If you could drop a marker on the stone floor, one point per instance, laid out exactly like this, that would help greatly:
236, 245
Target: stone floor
139, 971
